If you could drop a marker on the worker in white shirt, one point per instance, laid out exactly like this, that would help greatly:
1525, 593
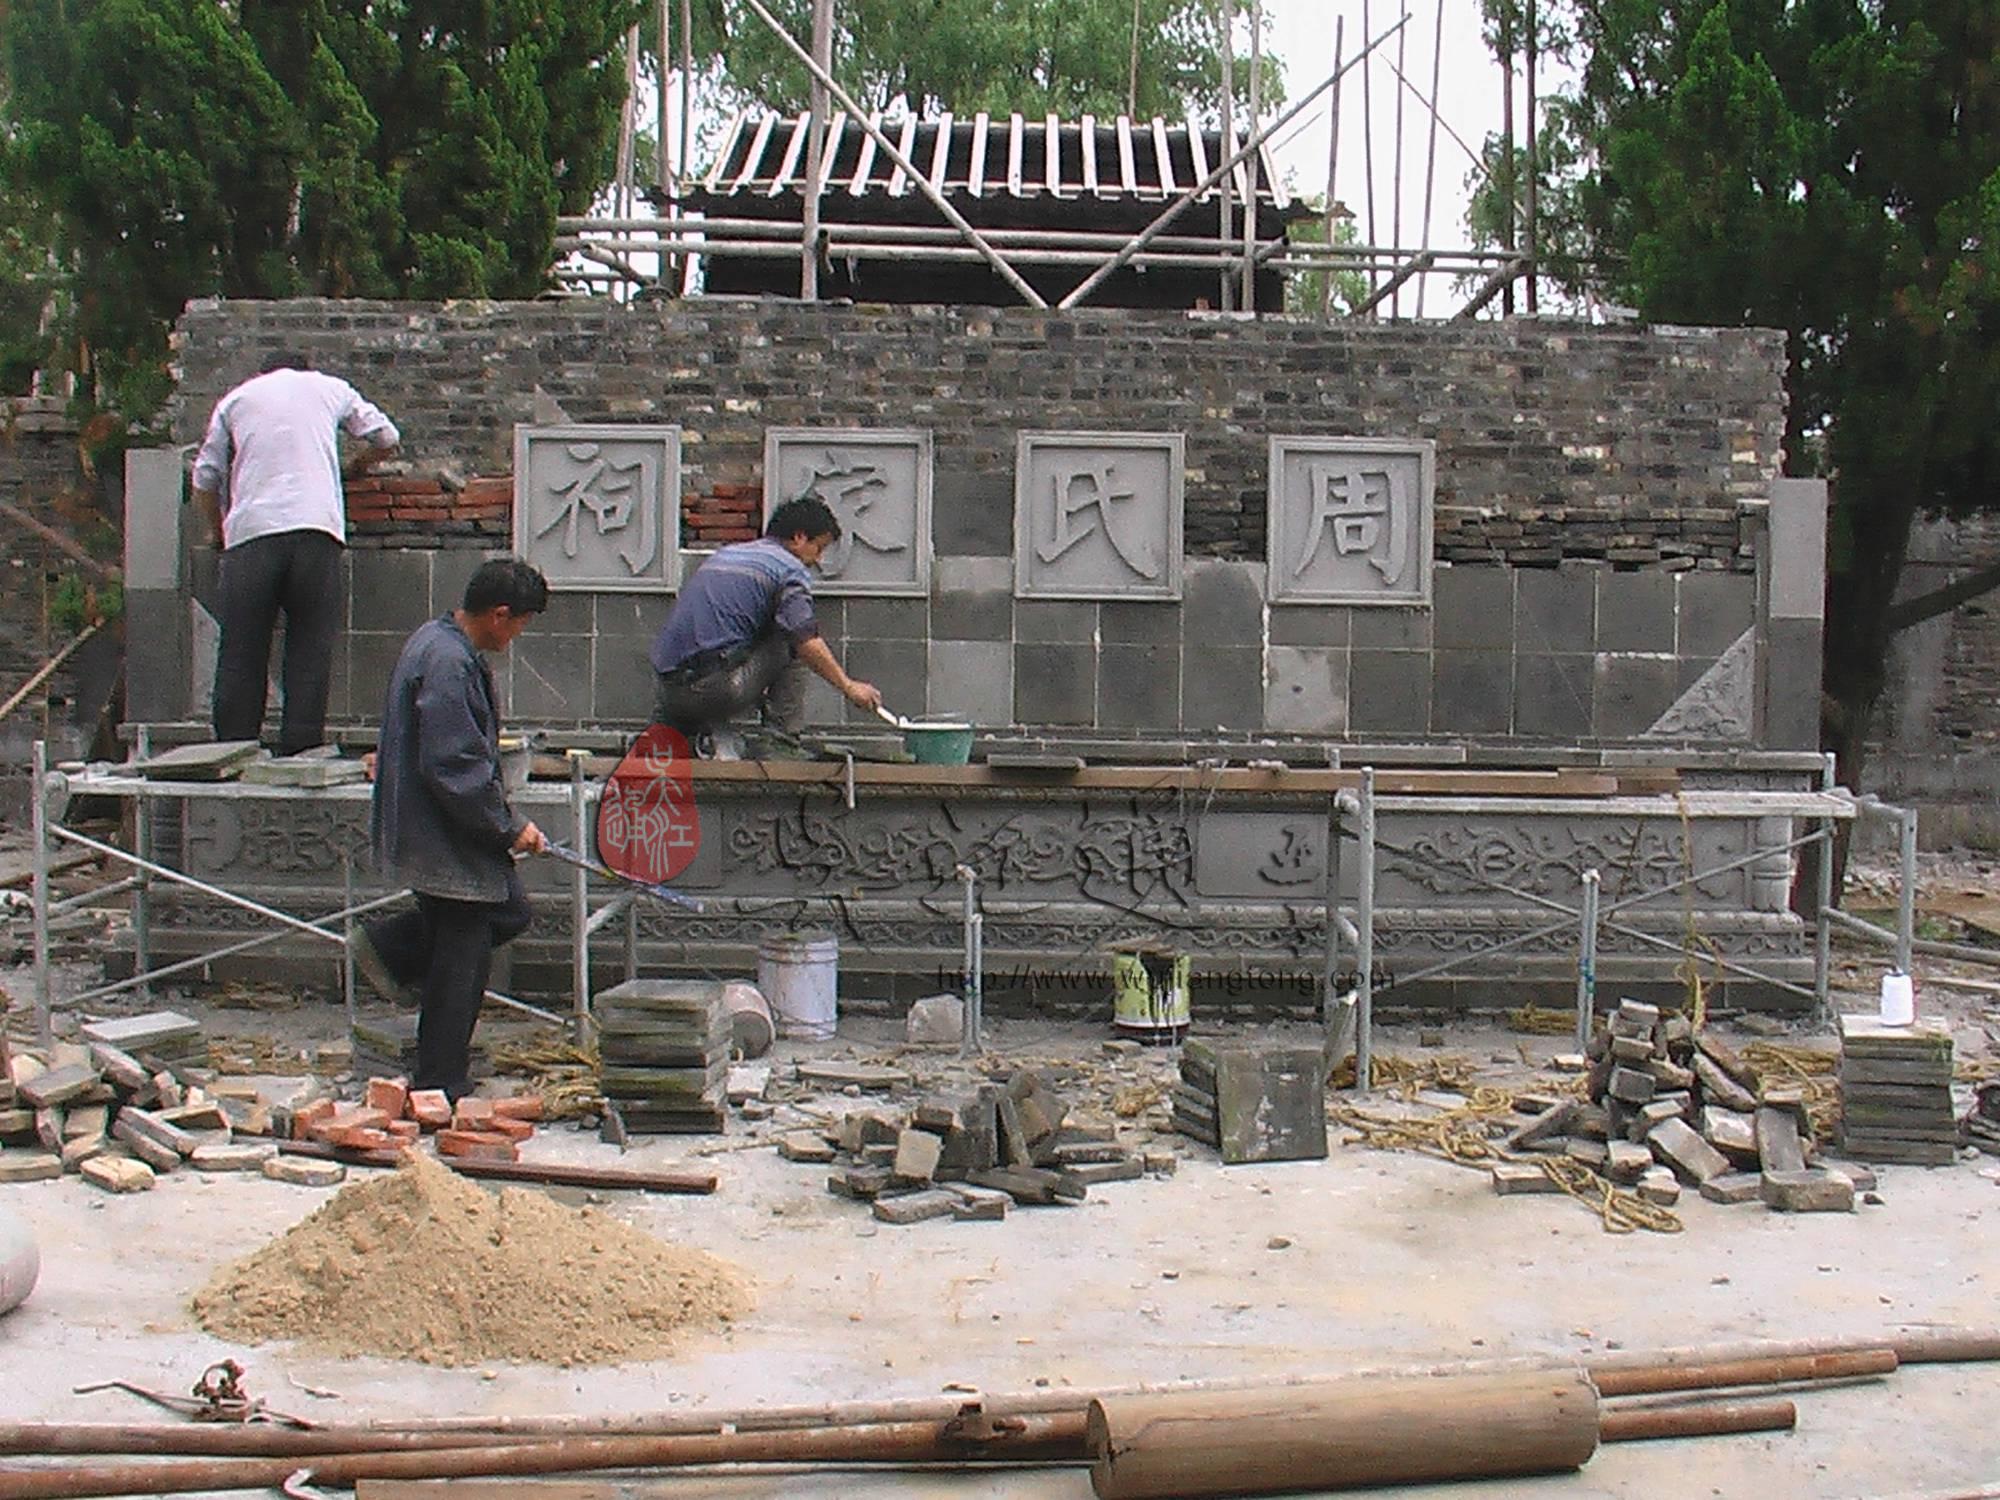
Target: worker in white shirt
269, 478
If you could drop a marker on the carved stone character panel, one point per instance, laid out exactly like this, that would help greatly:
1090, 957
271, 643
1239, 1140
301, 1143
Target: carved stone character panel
594, 507
878, 486
1350, 520
1097, 515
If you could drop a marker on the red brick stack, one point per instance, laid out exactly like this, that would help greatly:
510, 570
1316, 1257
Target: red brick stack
393, 1115
727, 513
405, 504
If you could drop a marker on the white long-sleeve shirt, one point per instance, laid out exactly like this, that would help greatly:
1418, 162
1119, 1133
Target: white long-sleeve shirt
272, 452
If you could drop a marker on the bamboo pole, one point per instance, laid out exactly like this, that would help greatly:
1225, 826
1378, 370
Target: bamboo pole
230, 1440
1048, 1440
1721, 1374
1636, 1424
48, 669
1341, 1436
1934, 1346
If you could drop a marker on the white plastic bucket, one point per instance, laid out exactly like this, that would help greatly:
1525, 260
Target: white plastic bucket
799, 975
1899, 999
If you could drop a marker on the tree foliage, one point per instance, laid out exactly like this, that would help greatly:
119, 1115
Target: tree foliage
1830, 168
185, 148
1035, 57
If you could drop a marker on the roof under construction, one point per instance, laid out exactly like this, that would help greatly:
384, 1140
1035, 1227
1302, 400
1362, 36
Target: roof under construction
1071, 190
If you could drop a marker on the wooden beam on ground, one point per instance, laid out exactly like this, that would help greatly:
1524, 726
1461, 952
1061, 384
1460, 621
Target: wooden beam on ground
539, 1174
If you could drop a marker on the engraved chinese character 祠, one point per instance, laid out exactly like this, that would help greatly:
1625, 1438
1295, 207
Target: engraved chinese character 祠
1349, 520
591, 504
609, 489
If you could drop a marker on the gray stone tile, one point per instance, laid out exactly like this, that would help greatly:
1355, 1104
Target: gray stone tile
1053, 620
1798, 549
1139, 622
570, 612
899, 668
1223, 602
624, 682
1388, 692
1635, 612
1391, 629
972, 680
631, 617
886, 619
1222, 687
1306, 690
1473, 692
1631, 692
951, 575
552, 678
389, 590
1473, 608
1715, 608
371, 658
1311, 625
831, 614
1555, 611
1139, 687
1553, 696
153, 518
1792, 686
825, 707
451, 570
981, 615
1054, 684
972, 515
156, 655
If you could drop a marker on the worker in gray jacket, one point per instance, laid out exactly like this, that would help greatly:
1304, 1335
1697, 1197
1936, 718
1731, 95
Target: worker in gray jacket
442, 824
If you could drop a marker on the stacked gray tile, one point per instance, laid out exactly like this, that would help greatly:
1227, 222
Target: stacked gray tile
664, 1046
161, 1038
386, 1047
1895, 1092
1253, 1103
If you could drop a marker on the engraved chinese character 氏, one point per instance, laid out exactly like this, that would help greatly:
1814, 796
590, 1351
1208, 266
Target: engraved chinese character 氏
850, 488
611, 490
1356, 506
1095, 488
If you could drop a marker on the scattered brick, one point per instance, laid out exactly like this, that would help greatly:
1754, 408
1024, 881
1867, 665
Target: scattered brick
405, 1132
513, 1130
248, 1157
305, 1171
521, 1107
914, 1208
307, 1115
117, 1174
29, 1166
430, 1108
477, 1145
390, 1095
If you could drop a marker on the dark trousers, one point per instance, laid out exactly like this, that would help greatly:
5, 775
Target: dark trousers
296, 573
765, 672
447, 946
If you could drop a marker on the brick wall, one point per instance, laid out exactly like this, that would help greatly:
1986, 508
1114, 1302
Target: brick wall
1625, 445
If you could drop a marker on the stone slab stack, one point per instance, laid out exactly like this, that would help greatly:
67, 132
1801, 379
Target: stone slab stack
1253, 1103
1895, 1092
664, 1044
386, 1047
163, 1038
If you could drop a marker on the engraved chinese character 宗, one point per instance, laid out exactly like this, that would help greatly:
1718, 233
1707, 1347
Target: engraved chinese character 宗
877, 483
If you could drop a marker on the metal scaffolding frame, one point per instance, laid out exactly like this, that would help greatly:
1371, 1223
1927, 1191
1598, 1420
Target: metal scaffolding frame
1351, 815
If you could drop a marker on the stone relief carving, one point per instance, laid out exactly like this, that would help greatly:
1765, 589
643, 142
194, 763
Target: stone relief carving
595, 506
1547, 857
1097, 515
1349, 520
288, 838
878, 484
1721, 703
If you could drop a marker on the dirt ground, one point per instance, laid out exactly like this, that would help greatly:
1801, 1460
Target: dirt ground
1364, 1259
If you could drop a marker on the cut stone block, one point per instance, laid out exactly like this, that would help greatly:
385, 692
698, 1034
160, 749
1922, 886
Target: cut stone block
159, 1131
1627, 1161
1717, 1087
804, 1146
1545, 1126
916, 1159
1824, 1190
1032, 1185
304, 1171
838, 1075
165, 1031
915, 1208
1694, 1161
858, 1182
1727, 1058
1634, 1018
81, 1149
935, 1021
1631, 1049
29, 1166
1779, 1148
746, 1081
1651, 1114
1592, 1154
1513, 1177
1670, 1075
1125, 1169
1632, 1085
1731, 1133
49, 1127
1733, 1187
1658, 1185
85, 1120
117, 1174
981, 1203
160, 1157
248, 1157
58, 1086
17, 1122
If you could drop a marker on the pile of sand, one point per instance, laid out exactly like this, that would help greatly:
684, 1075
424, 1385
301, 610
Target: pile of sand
423, 1264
